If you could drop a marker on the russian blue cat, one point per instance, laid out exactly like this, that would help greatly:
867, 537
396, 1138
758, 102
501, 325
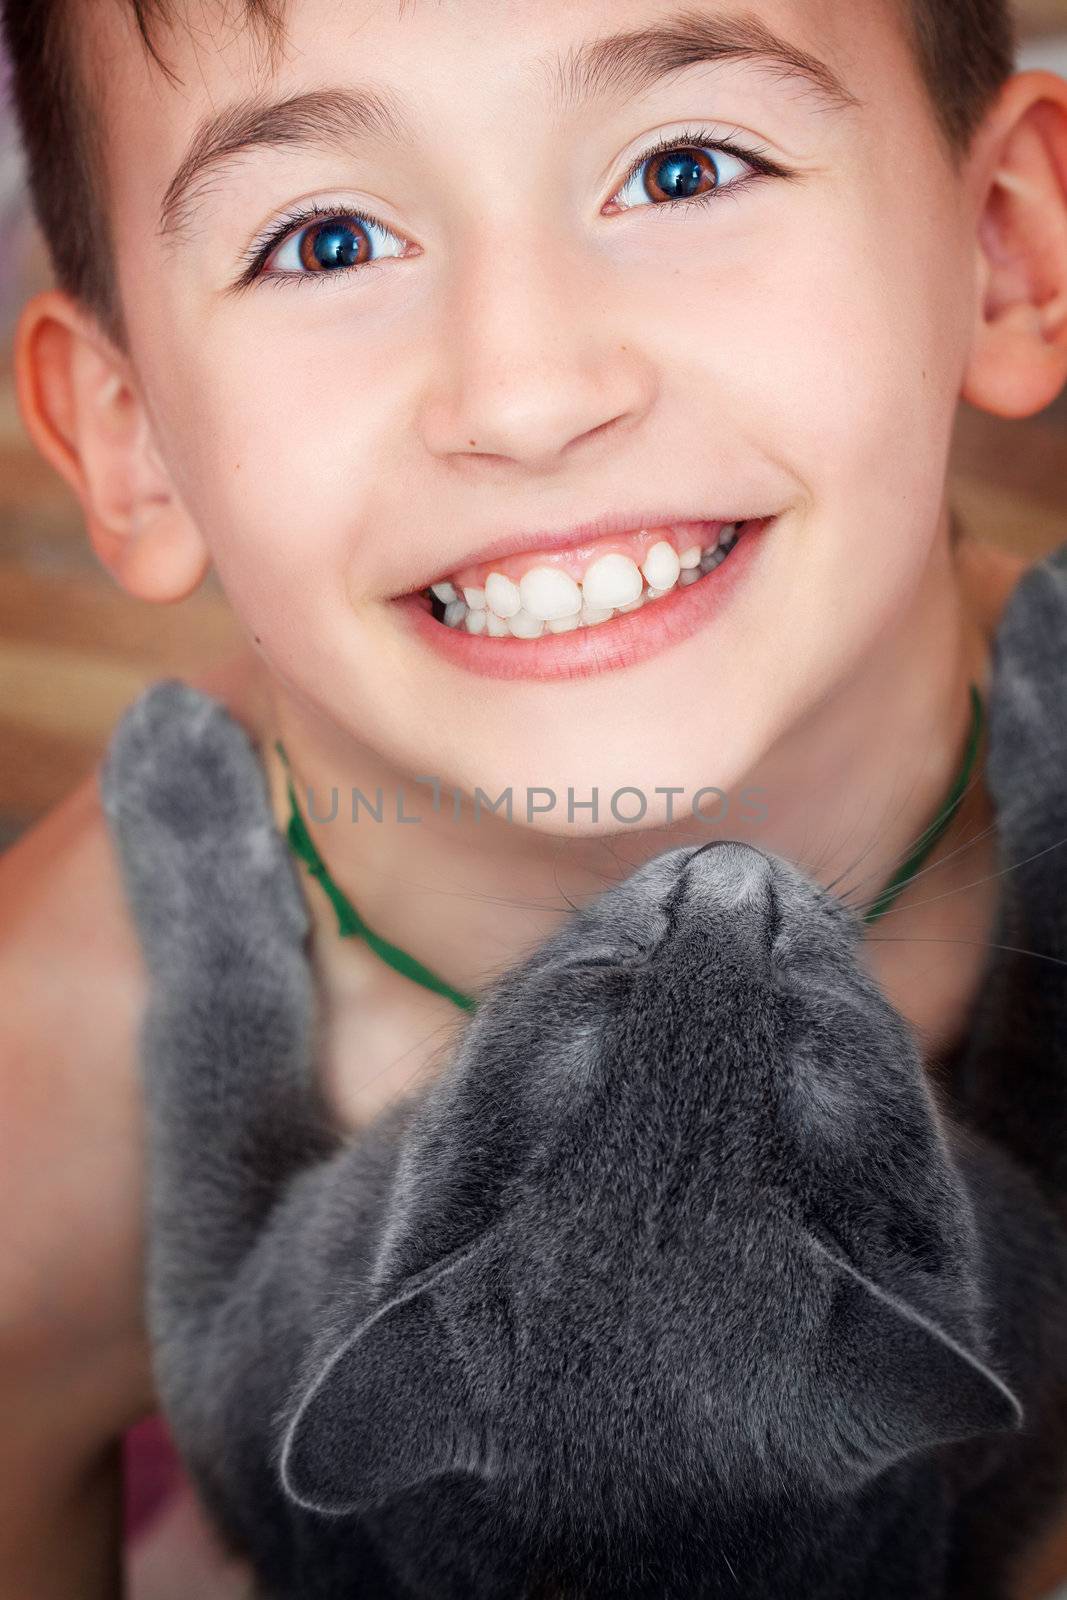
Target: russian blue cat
682, 1279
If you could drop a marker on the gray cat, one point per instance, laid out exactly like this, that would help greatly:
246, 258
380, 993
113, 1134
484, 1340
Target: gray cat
681, 1280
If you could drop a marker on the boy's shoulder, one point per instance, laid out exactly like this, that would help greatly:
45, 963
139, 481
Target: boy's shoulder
66, 938
74, 989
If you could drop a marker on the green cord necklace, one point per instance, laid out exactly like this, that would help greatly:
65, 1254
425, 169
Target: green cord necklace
349, 922
351, 925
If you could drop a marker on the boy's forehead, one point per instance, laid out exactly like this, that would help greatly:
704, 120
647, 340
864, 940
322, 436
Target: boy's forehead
438, 62
234, 44
218, 52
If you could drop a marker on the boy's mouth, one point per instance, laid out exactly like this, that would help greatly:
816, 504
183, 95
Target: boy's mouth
525, 596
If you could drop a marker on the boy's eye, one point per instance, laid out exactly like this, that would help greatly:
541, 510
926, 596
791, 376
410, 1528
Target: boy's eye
682, 172
332, 244
690, 169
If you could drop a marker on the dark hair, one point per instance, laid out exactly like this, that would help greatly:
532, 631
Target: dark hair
964, 50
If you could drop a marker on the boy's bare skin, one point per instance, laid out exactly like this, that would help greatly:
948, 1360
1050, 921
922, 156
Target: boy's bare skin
327, 447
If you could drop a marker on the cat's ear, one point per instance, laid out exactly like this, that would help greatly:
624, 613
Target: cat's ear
902, 1383
389, 1409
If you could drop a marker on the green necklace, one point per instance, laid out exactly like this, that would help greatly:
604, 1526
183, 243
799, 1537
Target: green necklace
351, 925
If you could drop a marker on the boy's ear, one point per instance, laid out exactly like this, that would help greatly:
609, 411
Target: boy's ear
80, 401
1018, 361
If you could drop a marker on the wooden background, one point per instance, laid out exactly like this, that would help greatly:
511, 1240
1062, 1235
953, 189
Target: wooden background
75, 650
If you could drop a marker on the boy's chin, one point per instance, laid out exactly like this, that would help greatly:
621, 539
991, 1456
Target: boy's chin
578, 800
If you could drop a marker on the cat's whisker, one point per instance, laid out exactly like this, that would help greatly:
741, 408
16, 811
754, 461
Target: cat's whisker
559, 886
986, 944
907, 849
814, 868
435, 1062
625, 867
942, 861
914, 844
871, 843
484, 897
1002, 873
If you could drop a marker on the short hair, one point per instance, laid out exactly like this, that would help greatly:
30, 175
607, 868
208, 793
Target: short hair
964, 50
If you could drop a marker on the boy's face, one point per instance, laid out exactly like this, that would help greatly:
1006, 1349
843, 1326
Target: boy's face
527, 354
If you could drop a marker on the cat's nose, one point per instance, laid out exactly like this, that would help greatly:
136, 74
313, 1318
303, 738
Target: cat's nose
733, 873
731, 885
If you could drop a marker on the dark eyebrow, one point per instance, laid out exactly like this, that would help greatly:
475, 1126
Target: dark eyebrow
618, 63
632, 62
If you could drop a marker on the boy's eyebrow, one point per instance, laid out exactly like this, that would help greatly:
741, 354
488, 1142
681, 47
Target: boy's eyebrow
622, 62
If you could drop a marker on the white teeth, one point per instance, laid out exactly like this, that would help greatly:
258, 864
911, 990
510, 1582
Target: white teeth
661, 566
524, 626
613, 580
502, 596
548, 599
550, 594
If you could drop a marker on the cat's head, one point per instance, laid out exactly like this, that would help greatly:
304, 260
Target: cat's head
680, 1221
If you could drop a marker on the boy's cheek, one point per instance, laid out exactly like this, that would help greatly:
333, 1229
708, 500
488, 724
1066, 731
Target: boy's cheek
832, 369
817, 364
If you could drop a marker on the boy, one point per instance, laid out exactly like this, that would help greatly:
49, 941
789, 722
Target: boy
515, 369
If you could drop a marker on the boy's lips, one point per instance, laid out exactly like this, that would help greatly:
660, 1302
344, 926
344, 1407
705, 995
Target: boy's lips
575, 544
630, 635
575, 561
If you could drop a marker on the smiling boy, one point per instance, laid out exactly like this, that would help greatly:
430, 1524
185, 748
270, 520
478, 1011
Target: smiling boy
360, 301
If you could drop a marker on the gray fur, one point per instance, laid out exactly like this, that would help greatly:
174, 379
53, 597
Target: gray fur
680, 1281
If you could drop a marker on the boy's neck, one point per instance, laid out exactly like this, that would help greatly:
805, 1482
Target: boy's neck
850, 789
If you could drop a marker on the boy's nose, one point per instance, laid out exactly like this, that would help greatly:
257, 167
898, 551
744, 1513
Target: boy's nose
531, 366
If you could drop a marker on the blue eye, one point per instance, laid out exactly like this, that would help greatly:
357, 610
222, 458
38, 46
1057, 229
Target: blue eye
680, 172
332, 242
691, 168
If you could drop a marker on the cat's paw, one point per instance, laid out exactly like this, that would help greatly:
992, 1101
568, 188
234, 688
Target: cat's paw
188, 809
